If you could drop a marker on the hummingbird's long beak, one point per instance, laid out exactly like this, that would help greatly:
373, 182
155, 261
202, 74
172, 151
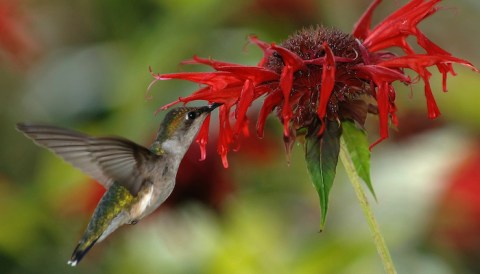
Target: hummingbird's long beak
214, 106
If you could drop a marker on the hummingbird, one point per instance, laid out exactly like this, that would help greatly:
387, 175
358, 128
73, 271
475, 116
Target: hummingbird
137, 179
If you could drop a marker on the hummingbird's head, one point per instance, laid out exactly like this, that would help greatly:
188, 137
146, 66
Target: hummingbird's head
179, 128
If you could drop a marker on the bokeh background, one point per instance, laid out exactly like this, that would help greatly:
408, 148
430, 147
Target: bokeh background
85, 65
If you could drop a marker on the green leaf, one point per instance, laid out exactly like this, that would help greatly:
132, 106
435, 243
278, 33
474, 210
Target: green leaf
321, 154
358, 149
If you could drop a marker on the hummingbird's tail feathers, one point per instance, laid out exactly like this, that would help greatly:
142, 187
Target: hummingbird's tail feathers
80, 251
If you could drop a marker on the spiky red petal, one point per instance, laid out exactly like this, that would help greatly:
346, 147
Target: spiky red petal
202, 138
328, 81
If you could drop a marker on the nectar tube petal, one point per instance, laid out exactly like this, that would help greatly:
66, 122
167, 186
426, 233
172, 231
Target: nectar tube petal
328, 82
383, 111
286, 82
202, 138
292, 62
209, 62
273, 99
362, 28
265, 47
246, 98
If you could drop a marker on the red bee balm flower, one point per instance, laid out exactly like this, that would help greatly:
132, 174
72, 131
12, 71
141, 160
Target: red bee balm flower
320, 76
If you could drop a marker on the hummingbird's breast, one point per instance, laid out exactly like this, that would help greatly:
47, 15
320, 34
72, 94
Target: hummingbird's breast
159, 181
150, 198
142, 202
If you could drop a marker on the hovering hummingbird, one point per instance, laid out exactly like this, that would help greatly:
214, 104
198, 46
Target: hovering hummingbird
137, 179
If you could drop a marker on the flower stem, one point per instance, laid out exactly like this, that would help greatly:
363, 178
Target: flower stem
378, 239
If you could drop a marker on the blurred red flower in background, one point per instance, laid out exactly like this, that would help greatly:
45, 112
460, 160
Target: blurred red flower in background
16, 38
455, 227
204, 182
319, 75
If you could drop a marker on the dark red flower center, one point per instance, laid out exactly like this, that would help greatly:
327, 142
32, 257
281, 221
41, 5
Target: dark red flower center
348, 89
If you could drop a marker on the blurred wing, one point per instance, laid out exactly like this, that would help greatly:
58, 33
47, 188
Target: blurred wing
106, 159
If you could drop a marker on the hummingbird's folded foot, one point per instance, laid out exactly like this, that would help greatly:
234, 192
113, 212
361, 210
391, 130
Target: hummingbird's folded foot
133, 222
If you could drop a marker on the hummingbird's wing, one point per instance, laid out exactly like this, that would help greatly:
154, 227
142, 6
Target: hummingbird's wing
106, 159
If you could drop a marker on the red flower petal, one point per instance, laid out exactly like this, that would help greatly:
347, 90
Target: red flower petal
256, 74
328, 81
362, 28
266, 48
286, 83
432, 108
289, 58
273, 99
383, 111
292, 62
379, 74
217, 80
401, 23
419, 63
225, 134
209, 62
246, 98
202, 138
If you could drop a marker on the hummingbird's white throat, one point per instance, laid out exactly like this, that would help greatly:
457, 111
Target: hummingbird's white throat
172, 146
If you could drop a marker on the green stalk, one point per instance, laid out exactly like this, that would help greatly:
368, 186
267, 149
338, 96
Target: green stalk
378, 239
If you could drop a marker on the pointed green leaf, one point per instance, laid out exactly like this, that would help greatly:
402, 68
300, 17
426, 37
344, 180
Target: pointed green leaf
321, 154
358, 148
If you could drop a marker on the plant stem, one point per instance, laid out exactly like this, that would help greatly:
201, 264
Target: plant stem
378, 239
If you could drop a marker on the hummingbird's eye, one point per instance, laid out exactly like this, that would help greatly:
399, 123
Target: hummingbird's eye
191, 115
